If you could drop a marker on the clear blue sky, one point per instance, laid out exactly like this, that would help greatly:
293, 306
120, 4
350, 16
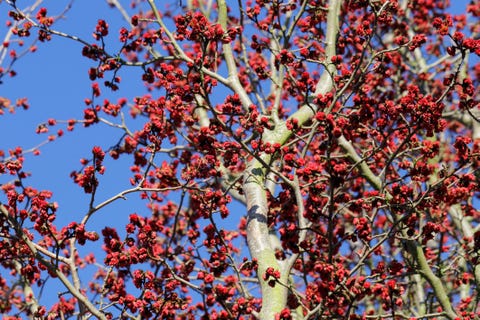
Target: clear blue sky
56, 82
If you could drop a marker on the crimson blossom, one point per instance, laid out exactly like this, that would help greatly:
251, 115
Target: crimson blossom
293, 159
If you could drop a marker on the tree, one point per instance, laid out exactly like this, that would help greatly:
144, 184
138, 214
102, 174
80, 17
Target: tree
296, 160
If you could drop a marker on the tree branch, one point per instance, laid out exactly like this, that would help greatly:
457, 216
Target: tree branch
413, 247
255, 177
52, 268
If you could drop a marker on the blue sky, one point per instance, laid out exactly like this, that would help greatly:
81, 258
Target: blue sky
56, 82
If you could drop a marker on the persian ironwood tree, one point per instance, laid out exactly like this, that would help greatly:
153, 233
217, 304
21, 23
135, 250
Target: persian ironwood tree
297, 160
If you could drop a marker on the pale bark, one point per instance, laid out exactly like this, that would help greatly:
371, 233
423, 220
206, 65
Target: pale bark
275, 297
